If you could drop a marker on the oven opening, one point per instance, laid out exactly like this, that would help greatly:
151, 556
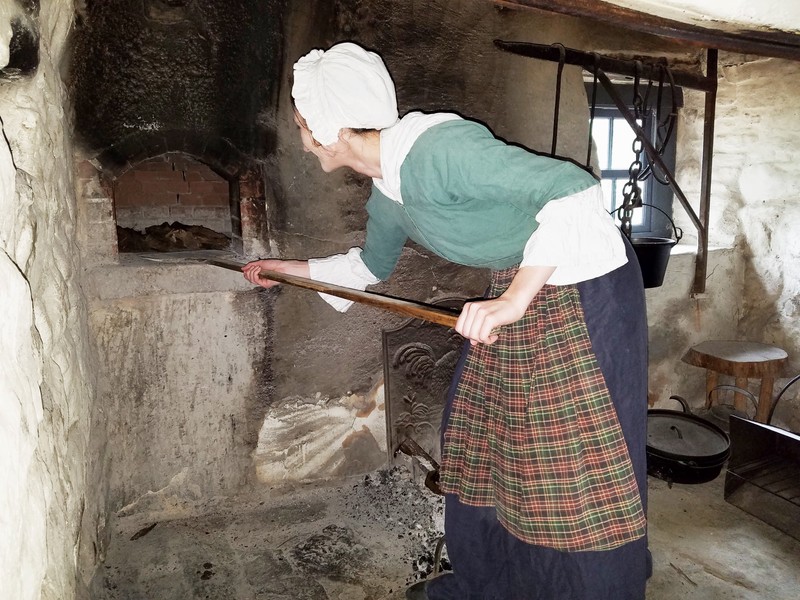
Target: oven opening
172, 203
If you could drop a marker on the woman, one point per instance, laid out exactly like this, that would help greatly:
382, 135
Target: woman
543, 459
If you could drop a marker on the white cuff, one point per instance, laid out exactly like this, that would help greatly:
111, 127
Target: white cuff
578, 237
347, 270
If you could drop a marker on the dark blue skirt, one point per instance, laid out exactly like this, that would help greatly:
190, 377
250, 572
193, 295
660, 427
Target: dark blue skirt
491, 564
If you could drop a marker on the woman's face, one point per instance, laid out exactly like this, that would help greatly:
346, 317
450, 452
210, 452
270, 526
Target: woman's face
330, 157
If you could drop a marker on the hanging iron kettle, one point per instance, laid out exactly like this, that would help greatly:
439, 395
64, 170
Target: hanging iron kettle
653, 252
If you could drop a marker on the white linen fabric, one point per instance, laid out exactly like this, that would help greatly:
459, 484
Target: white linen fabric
345, 86
341, 269
577, 236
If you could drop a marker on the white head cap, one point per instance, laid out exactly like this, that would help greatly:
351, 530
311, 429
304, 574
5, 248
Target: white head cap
343, 87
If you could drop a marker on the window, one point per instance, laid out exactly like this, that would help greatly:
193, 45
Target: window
614, 147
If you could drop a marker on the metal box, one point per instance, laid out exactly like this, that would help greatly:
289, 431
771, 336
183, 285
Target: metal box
763, 476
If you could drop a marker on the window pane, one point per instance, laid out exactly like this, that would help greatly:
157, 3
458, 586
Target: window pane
638, 216
601, 135
643, 187
622, 150
613, 142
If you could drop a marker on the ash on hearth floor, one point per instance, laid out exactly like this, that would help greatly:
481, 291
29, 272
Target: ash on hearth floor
360, 539
368, 538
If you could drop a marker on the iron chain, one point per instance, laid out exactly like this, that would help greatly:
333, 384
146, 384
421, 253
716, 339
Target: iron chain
631, 192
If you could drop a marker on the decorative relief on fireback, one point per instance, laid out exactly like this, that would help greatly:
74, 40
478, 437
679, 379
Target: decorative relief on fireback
419, 361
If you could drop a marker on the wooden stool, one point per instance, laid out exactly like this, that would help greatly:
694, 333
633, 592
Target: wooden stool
742, 360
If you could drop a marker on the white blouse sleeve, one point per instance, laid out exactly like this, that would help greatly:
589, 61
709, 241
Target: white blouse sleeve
347, 270
578, 237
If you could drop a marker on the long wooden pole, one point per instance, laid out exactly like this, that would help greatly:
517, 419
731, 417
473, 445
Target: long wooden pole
409, 308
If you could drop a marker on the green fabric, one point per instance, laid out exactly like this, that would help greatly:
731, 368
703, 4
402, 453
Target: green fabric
468, 197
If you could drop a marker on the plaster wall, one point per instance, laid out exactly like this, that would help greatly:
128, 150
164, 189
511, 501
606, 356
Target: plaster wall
750, 287
312, 412
758, 128
732, 14
205, 384
441, 57
46, 386
327, 416
678, 319
8, 11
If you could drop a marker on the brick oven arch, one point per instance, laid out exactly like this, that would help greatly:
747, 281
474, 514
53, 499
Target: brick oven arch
246, 189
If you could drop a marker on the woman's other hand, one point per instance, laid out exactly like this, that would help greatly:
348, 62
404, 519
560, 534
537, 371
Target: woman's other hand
479, 321
252, 269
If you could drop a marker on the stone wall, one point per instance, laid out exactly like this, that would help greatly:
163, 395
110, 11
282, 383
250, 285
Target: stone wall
757, 130
183, 360
753, 281
46, 377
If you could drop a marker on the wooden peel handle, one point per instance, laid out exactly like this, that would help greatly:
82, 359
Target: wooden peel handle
409, 308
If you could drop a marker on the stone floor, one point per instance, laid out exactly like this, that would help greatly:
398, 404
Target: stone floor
366, 539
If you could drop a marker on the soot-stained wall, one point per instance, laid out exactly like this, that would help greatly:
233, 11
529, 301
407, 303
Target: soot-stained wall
168, 67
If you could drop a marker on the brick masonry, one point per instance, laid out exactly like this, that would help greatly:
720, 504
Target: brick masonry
172, 187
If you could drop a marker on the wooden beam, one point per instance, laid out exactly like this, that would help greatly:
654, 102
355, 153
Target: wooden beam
701, 263
647, 69
776, 44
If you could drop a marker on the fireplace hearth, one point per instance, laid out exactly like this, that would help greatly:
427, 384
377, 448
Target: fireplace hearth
364, 537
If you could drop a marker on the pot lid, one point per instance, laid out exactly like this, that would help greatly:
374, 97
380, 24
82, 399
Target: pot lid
679, 434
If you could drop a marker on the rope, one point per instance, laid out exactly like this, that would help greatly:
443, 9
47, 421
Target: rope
562, 58
591, 114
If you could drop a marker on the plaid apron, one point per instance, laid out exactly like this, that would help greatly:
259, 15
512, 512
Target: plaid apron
533, 432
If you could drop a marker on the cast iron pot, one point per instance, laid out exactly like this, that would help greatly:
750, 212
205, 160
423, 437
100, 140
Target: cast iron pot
684, 448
